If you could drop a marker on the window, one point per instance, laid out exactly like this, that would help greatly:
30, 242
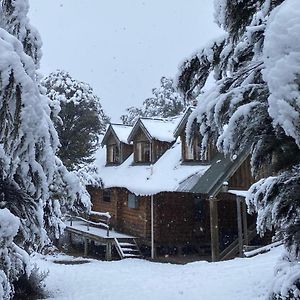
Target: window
132, 201
106, 196
112, 154
199, 209
142, 152
193, 152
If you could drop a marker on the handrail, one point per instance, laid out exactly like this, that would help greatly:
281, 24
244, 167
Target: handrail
234, 246
118, 247
88, 222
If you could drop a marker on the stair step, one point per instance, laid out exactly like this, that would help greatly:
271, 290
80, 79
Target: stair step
131, 255
129, 249
126, 244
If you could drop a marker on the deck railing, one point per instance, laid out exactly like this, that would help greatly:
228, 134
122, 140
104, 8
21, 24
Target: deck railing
102, 219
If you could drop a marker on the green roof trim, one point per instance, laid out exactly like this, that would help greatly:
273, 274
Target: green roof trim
221, 169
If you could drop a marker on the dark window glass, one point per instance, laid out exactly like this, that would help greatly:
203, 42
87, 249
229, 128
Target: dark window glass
106, 195
142, 152
199, 209
132, 201
113, 154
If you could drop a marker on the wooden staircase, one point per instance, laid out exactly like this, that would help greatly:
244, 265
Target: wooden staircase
127, 248
233, 249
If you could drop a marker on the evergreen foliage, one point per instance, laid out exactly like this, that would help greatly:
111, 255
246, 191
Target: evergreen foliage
78, 117
166, 102
34, 184
255, 103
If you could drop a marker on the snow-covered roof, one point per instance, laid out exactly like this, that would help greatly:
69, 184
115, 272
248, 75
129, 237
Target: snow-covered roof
166, 175
119, 131
122, 132
183, 120
157, 128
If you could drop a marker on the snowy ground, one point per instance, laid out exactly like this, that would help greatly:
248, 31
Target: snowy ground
240, 279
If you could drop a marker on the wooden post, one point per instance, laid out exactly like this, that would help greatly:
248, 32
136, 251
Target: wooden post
108, 255
240, 226
214, 229
152, 229
245, 225
85, 253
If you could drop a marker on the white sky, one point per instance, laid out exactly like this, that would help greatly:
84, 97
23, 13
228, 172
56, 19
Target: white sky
121, 48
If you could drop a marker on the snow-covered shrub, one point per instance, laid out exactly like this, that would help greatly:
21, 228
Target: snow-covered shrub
32, 286
14, 262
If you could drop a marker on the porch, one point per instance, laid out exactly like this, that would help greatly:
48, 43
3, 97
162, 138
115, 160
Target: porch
99, 232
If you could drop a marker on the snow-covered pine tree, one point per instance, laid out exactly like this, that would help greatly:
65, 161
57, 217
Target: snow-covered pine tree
166, 102
15, 21
31, 175
78, 117
255, 101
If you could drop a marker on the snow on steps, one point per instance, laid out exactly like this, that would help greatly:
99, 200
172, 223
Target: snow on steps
127, 249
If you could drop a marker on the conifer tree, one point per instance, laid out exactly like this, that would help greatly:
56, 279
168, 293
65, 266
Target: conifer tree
31, 176
165, 102
78, 118
255, 103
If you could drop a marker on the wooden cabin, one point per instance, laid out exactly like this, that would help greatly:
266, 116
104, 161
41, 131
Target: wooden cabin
172, 197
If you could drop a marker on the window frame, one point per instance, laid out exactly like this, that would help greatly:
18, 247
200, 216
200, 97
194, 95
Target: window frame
106, 193
113, 154
132, 201
140, 149
193, 153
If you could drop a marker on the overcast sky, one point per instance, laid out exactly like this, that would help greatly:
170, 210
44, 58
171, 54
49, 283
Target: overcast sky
121, 48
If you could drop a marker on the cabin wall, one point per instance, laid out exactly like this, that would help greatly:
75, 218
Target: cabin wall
124, 219
132, 221
177, 220
111, 140
102, 206
140, 136
242, 178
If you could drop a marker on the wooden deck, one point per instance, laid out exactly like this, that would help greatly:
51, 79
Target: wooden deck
102, 236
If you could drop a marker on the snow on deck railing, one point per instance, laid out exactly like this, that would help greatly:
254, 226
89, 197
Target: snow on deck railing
100, 214
262, 249
101, 223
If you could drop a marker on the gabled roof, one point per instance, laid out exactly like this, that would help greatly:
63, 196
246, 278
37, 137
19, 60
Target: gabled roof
181, 125
119, 131
165, 175
156, 128
168, 174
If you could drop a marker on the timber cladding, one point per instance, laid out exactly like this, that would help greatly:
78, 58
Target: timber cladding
242, 178
177, 217
124, 219
176, 220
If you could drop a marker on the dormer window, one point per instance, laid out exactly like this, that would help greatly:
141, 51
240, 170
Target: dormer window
113, 154
142, 151
193, 152
118, 149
